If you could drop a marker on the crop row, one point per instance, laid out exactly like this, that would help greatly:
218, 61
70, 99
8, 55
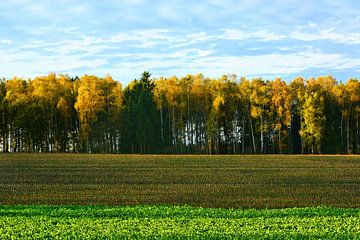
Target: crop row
256, 181
81, 222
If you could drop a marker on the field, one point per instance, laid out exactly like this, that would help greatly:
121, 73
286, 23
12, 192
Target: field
91, 222
168, 196
206, 181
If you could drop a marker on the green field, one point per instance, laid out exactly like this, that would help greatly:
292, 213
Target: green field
91, 222
207, 181
179, 196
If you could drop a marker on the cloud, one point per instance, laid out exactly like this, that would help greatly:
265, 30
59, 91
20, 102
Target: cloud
328, 35
30, 63
144, 38
5, 41
262, 35
214, 37
129, 53
262, 65
274, 64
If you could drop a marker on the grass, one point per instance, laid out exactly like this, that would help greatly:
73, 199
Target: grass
164, 222
257, 181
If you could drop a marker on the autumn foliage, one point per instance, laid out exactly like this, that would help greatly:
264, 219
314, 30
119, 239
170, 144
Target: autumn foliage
191, 114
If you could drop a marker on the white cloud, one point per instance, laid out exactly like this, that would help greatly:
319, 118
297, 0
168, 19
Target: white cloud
45, 31
190, 39
187, 55
262, 65
166, 51
144, 38
262, 35
29, 63
199, 37
328, 35
5, 41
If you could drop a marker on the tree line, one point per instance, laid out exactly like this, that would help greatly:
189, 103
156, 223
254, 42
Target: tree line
191, 114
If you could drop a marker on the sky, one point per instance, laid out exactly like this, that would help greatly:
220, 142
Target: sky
252, 38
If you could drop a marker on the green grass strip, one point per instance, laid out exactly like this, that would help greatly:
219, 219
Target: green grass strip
165, 222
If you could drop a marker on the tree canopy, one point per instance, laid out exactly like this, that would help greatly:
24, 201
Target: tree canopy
190, 114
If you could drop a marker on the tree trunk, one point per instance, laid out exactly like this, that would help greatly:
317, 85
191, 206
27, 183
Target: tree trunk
161, 123
279, 141
173, 130
252, 134
234, 136
261, 135
357, 132
348, 131
243, 135
341, 129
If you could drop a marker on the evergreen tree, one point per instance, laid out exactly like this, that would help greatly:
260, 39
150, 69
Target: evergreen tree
141, 130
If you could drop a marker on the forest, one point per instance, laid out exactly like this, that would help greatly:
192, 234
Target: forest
191, 114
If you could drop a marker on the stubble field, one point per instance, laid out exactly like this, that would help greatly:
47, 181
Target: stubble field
136, 196
206, 181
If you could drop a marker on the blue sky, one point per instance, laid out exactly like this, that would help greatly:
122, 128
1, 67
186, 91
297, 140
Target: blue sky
214, 37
